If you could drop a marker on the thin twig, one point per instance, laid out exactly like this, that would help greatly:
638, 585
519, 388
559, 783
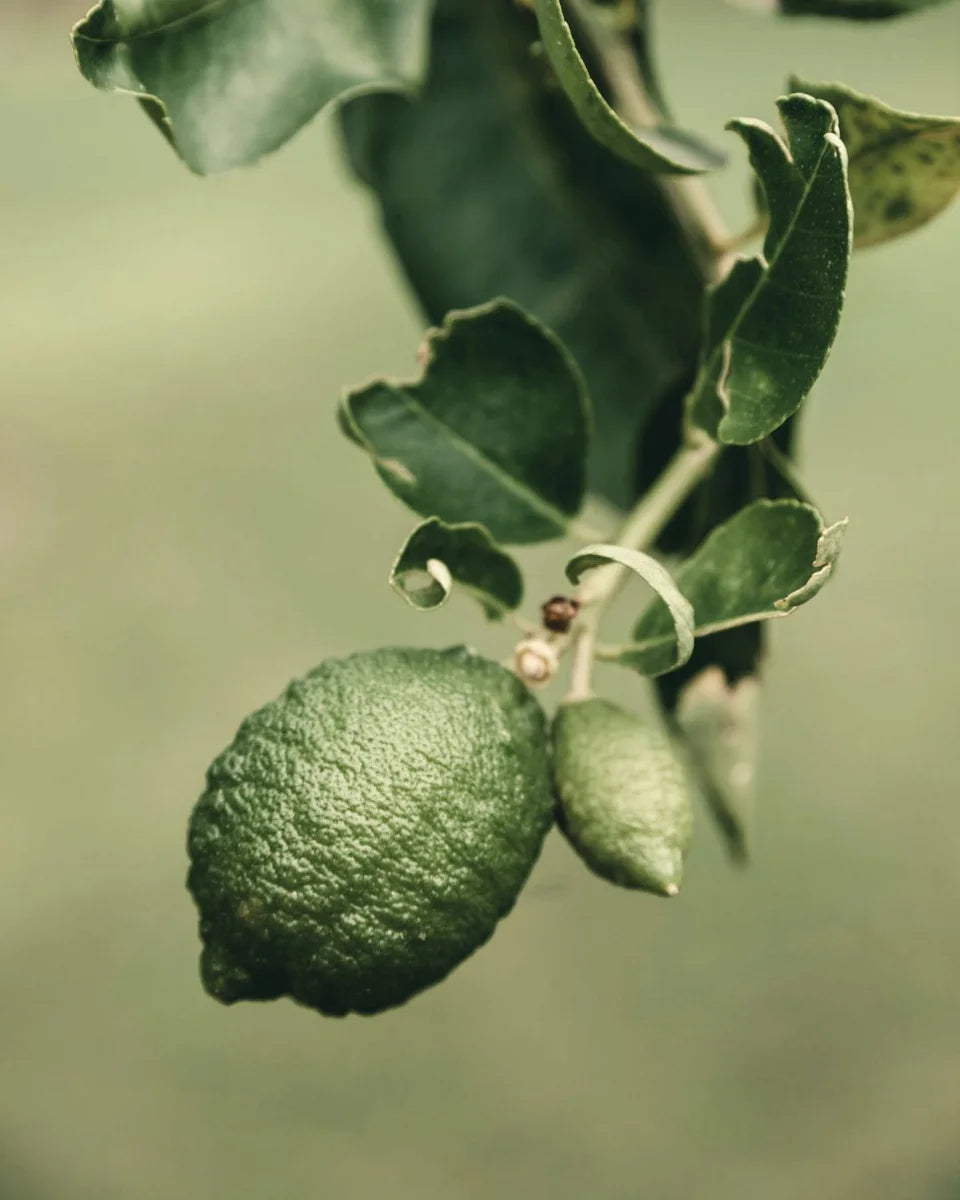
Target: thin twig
696, 214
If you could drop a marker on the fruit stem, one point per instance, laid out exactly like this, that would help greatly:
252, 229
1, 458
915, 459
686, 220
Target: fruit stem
650, 514
638, 532
581, 665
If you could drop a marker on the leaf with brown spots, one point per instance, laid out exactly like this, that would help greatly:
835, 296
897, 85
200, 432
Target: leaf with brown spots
904, 168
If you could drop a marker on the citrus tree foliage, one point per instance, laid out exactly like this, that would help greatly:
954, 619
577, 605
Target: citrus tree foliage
230, 81
593, 327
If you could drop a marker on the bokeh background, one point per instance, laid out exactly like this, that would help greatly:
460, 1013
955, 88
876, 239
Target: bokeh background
182, 529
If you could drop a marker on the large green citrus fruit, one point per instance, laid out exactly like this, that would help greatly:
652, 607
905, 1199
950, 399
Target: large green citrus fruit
623, 797
367, 830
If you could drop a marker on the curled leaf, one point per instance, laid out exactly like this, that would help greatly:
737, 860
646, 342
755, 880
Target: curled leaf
673, 607
495, 431
437, 555
762, 564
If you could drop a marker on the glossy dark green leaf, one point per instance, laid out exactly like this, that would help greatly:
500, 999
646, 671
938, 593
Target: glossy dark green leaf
858, 10
230, 80
489, 185
653, 147
904, 168
762, 564
436, 555
673, 606
771, 322
738, 476
495, 432
717, 723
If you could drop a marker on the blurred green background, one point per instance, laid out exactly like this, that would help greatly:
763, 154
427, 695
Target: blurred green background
182, 530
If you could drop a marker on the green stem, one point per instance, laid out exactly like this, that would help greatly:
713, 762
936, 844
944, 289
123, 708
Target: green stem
696, 214
650, 514
639, 531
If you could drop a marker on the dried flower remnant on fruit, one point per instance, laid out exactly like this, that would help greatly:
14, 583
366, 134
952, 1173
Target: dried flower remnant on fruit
559, 613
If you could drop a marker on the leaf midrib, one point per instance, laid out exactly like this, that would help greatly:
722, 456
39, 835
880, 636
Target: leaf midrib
659, 640
534, 501
708, 364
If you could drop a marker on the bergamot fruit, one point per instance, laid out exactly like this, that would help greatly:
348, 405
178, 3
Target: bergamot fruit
622, 794
366, 831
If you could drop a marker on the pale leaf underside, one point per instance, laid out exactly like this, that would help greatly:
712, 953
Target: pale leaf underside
232, 80
719, 726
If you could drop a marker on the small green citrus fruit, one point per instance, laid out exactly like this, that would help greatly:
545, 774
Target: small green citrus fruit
366, 831
623, 798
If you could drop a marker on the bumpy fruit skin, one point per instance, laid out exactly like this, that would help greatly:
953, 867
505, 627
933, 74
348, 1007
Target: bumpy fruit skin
622, 795
366, 831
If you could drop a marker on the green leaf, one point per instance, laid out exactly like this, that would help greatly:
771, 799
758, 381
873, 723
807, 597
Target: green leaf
662, 149
718, 725
904, 168
496, 431
437, 555
489, 186
228, 81
671, 605
862, 10
761, 564
631, 21
770, 324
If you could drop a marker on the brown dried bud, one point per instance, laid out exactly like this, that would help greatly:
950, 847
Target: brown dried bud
559, 612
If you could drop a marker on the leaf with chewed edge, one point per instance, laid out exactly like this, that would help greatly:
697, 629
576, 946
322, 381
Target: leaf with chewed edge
495, 431
770, 324
489, 185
